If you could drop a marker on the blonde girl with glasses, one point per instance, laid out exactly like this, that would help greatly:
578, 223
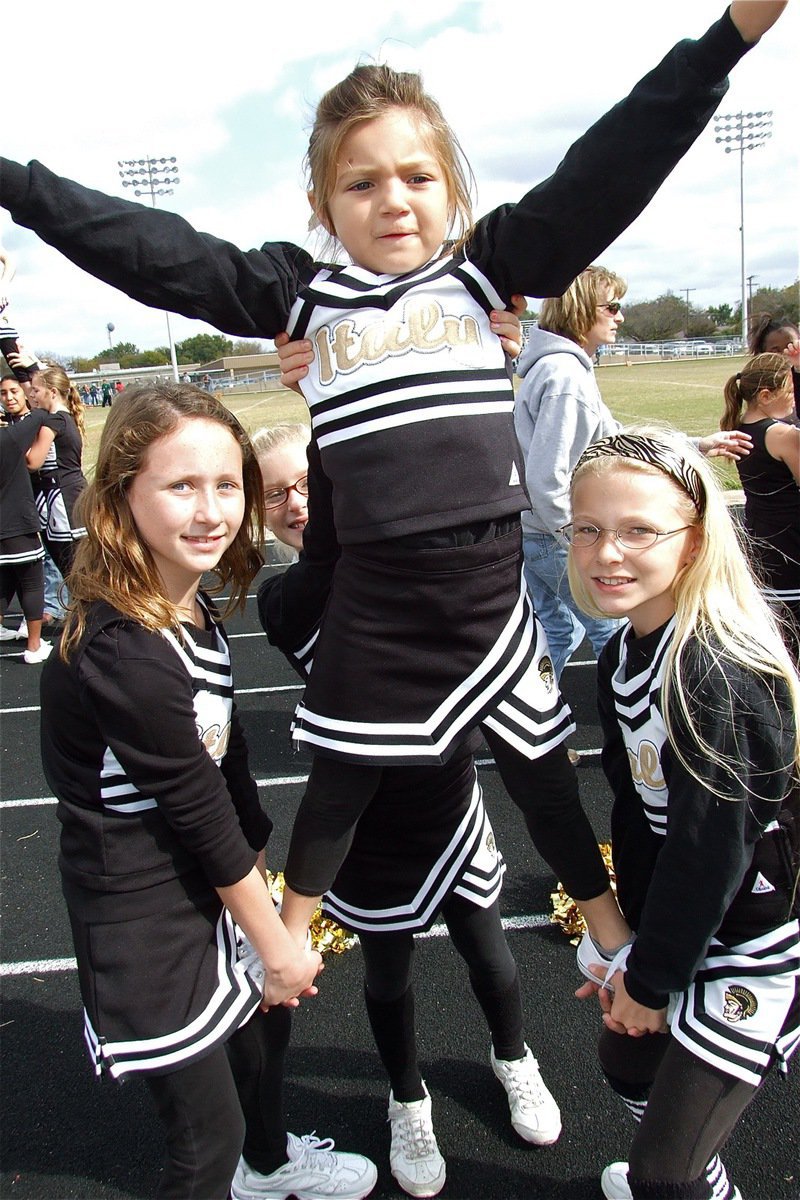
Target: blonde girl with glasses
281, 454
699, 703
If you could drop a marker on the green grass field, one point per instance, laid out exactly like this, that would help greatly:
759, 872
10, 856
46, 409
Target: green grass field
686, 394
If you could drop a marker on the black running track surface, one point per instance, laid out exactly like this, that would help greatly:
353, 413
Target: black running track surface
65, 1135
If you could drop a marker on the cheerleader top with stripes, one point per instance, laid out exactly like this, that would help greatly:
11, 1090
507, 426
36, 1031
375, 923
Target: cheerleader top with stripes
61, 472
18, 512
144, 751
691, 864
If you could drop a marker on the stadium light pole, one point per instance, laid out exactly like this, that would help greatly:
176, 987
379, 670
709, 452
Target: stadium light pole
153, 177
688, 308
743, 131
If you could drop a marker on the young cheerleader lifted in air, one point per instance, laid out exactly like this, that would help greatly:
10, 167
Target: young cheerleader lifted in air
163, 836
699, 703
428, 630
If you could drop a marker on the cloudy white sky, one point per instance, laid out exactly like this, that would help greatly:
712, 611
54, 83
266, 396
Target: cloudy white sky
229, 90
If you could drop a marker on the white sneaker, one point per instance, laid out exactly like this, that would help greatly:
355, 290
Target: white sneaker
313, 1172
534, 1113
22, 632
7, 634
414, 1156
40, 655
614, 1183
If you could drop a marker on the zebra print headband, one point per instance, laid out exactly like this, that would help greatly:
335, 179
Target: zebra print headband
657, 454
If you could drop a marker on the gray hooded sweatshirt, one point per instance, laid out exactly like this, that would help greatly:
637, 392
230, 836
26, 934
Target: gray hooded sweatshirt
557, 414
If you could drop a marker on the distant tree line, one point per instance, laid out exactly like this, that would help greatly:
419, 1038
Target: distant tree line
202, 348
664, 319
669, 317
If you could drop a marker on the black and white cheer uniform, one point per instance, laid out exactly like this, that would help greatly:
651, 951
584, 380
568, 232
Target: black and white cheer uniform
19, 520
429, 629
143, 748
708, 883
772, 518
56, 486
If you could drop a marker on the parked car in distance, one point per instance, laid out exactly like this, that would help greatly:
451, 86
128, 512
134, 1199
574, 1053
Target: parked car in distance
688, 349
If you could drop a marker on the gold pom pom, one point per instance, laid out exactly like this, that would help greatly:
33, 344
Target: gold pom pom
566, 912
326, 935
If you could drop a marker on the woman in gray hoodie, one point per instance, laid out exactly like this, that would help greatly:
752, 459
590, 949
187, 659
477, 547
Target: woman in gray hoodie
558, 413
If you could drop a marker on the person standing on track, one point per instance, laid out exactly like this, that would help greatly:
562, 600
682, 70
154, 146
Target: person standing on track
162, 840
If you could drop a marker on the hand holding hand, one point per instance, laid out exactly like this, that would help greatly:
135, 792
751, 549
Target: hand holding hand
293, 981
621, 1014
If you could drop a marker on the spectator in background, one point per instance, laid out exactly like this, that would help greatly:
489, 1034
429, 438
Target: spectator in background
558, 413
776, 334
108, 394
760, 400
94, 393
56, 464
20, 541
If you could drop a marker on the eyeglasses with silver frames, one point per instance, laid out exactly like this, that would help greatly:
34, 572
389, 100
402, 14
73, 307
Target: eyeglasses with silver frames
632, 537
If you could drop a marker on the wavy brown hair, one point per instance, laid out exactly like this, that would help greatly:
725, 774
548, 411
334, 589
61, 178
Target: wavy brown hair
112, 563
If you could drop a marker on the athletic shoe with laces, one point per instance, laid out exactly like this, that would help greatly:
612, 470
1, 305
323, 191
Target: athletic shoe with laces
40, 655
22, 632
313, 1172
414, 1156
591, 954
614, 1183
534, 1113
7, 634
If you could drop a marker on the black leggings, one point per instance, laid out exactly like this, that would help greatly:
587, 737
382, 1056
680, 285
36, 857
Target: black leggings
545, 790
478, 936
691, 1110
229, 1103
62, 553
26, 580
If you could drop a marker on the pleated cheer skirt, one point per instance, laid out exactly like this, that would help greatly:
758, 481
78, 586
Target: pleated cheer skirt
425, 836
419, 646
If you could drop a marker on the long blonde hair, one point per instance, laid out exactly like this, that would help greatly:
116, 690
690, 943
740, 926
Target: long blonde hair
112, 563
718, 604
56, 377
